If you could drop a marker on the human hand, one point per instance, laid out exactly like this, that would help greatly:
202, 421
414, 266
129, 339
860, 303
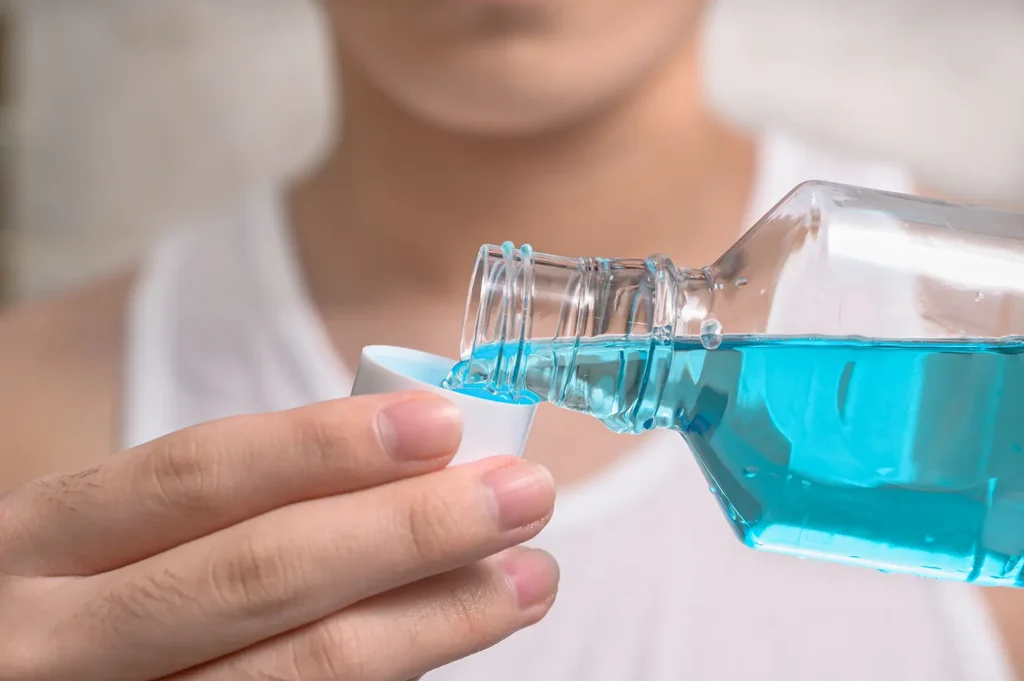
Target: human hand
322, 543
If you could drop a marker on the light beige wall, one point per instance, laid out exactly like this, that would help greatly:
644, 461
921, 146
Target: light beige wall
133, 114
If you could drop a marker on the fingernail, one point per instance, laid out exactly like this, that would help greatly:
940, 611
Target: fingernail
523, 493
420, 428
533, 575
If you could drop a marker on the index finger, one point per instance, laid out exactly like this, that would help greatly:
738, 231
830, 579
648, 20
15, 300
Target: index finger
194, 482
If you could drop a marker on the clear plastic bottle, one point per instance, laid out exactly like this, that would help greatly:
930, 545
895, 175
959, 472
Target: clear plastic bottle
849, 375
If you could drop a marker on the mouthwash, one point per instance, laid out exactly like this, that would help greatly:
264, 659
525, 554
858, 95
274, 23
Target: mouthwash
849, 375
897, 455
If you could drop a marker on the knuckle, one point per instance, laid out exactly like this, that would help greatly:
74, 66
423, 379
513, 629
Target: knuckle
116, 604
326, 444
183, 473
47, 499
469, 609
431, 525
61, 493
333, 650
253, 579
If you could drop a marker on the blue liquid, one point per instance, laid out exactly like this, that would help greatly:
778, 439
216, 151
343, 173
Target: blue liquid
903, 456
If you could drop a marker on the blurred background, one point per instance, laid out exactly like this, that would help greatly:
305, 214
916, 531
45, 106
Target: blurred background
123, 117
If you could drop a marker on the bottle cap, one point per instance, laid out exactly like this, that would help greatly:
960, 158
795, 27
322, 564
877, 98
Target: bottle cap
489, 428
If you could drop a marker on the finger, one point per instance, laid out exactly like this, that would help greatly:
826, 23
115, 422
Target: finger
200, 480
406, 632
295, 565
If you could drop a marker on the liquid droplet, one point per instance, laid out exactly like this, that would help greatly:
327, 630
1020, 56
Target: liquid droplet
978, 298
751, 472
740, 283
711, 334
713, 489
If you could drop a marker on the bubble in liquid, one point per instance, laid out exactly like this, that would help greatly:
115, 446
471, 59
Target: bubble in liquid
751, 472
740, 283
711, 334
978, 298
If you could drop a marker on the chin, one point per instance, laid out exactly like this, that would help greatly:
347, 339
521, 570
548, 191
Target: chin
510, 78
505, 96
512, 113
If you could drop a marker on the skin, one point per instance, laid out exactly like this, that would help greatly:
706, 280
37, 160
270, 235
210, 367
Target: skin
491, 121
251, 575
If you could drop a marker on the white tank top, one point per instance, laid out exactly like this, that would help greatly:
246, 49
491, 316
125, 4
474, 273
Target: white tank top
654, 585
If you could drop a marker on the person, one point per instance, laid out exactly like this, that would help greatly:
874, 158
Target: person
294, 546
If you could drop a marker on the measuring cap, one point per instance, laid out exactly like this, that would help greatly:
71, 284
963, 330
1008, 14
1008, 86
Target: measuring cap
489, 428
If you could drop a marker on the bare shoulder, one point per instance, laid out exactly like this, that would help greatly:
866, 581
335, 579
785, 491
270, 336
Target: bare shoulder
60, 394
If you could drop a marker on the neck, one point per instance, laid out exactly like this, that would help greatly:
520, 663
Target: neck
652, 173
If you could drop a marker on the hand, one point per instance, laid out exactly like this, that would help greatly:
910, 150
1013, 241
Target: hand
328, 542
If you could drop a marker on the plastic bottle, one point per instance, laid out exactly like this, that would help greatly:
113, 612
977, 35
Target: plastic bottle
849, 375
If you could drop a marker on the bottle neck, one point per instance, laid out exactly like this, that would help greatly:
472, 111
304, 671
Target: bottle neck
521, 302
